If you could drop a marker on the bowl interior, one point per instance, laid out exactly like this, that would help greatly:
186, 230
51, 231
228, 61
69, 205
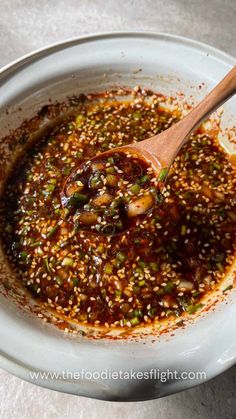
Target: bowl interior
166, 64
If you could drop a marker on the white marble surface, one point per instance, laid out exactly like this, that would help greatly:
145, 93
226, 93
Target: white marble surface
29, 24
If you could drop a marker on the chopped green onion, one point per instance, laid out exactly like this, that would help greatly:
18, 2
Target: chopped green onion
153, 311
66, 170
95, 181
112, 180
23, 255
216, 166
36, 244
110, 170
219, 257
52, 231
110, 160
228, 288
196, 294
163, 174
100, 248
183, 230
80, 119
108, 229
137, 115
119, 225
154, 267
220, 267
144, 179
51, 187
77, 200
137, 312
47, 265
108, 268
33, 288
120, 256
135, 189
134, 321
53, 181
58, 280
75, 281
160, 291
103, 292
169, 287
193, 308
142, 283
70, 126
67, 261
143, 264
105, 145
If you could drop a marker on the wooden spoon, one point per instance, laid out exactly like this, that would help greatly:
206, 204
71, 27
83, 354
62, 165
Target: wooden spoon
164, 147
161, 149
158, 151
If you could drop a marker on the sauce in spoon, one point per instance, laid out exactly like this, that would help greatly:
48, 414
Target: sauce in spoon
111, 193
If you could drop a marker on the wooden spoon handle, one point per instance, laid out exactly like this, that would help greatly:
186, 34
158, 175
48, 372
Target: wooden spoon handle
168, 143
223, 91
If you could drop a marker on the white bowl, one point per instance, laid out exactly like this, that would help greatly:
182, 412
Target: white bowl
168, 64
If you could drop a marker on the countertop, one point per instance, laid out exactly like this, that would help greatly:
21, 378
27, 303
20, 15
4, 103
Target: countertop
29, 24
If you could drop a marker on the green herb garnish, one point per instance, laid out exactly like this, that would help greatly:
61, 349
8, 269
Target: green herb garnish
163, 174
